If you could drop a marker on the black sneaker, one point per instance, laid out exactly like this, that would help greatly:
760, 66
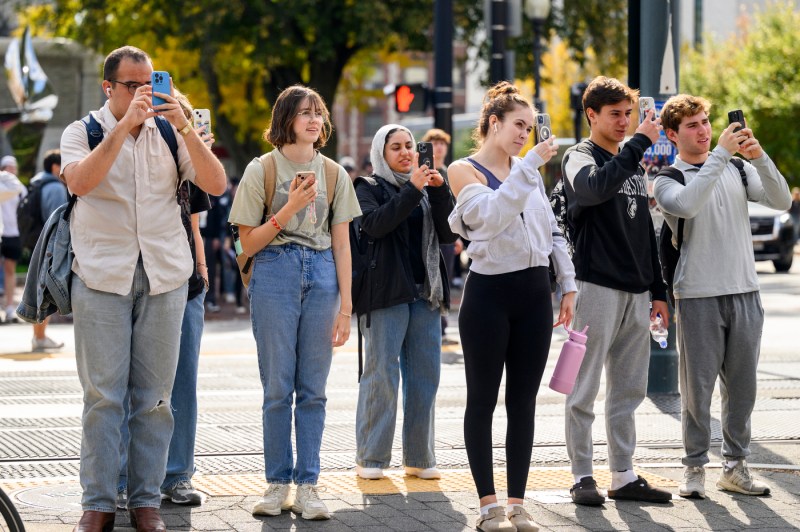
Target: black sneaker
586, 493
640, 490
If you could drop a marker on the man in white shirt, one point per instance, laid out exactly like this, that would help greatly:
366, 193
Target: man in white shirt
132, 260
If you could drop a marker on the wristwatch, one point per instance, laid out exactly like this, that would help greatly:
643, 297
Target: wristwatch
186, 129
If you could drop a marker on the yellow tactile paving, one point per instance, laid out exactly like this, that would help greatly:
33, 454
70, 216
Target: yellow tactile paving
539, 479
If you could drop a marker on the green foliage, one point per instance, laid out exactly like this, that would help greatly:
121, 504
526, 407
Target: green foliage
757, 71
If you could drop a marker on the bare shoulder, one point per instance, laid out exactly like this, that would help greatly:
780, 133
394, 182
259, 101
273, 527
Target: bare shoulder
461, 173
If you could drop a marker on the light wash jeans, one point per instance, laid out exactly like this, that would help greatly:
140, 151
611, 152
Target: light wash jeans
180, 463
401, 340
125, 345
293, 301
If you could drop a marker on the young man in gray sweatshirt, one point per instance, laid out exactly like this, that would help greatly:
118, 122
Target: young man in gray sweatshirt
719, 311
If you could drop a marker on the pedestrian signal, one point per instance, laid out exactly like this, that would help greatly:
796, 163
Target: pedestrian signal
411, 98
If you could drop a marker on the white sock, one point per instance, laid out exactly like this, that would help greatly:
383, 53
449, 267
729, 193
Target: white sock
511, 506
622, 478
730, 464
578, 478
485, 509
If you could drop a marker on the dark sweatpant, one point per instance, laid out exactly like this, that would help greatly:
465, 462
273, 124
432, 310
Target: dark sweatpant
506, 320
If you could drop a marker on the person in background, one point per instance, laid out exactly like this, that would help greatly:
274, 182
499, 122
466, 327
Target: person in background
53, 195
405, 210
349, 164
794, 210
213, 227
441, 144
506, 316
10, 247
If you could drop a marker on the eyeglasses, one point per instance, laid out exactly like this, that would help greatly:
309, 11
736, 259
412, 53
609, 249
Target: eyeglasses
131, 85
307, 114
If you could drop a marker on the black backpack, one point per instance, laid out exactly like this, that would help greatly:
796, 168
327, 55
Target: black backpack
558, 201
667, 252
29, 212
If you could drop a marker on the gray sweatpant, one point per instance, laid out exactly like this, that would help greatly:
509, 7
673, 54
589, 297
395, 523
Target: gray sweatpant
618, 340
718, 336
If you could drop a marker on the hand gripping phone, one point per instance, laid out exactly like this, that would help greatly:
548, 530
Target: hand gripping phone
737, 116
425, 150
543, 131
159, 80
202, 117
645, 104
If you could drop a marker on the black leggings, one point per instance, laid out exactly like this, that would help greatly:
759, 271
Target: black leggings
505, 320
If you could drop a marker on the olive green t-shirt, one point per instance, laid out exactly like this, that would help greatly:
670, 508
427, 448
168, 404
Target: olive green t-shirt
248, 205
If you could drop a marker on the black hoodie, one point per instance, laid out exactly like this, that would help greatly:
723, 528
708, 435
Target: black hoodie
607, 205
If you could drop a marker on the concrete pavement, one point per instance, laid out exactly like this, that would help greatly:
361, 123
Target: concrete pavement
40, 407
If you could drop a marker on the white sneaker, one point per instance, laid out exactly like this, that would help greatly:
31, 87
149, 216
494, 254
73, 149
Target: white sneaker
275, 499
429, 473
369, 473
40, 344
11, 314
738, 479
308, 504
694, 483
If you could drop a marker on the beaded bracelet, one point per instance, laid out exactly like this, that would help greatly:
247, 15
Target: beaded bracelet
274, 221
346, 315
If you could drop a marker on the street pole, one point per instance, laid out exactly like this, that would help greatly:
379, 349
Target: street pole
443, 69
653, 58
538, 26
499, 16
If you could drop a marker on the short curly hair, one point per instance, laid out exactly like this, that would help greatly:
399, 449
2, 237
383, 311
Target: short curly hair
681, 106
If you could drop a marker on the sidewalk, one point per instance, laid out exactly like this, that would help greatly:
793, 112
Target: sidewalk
40, 408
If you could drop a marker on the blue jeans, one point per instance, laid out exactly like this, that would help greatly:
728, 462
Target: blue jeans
125, 345
401, 340
180, 462
293, 302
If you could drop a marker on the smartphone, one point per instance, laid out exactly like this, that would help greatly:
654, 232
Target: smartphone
645, 104
303, 176
737, 116
425, 150
159, 80
202, 117
543, 131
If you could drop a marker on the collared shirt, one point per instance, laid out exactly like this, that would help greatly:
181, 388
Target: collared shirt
132, 211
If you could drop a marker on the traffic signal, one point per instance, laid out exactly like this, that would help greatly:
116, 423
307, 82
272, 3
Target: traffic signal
411, 98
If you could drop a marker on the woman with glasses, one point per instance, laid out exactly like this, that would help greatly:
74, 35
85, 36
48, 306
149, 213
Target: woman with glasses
405, 211
300, 302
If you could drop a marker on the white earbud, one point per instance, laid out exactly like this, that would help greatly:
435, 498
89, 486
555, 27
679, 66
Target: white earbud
108, 92
495, 128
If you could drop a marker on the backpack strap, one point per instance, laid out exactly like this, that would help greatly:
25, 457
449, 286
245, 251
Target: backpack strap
331, 175
673, 173
739, 164
168, 134
270, 167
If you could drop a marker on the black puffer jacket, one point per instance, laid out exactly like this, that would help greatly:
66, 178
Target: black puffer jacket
389, 280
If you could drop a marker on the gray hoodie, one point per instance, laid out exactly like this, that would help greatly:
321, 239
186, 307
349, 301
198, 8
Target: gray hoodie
502, 241
717, 252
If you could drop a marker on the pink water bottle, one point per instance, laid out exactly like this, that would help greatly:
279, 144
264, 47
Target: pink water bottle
569, 362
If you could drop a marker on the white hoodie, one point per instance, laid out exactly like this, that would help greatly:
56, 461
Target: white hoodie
502, 241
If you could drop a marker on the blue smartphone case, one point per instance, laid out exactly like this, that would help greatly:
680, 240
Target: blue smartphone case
160, 83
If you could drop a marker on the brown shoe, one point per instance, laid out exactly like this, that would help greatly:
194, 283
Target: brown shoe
146, 520
92, 521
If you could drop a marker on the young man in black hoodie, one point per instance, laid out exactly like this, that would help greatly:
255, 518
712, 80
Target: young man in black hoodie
618, 272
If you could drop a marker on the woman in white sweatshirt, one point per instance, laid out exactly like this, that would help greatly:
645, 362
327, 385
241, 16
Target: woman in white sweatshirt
506, 316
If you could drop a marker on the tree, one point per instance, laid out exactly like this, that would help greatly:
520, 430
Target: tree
245, 52
756, 71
